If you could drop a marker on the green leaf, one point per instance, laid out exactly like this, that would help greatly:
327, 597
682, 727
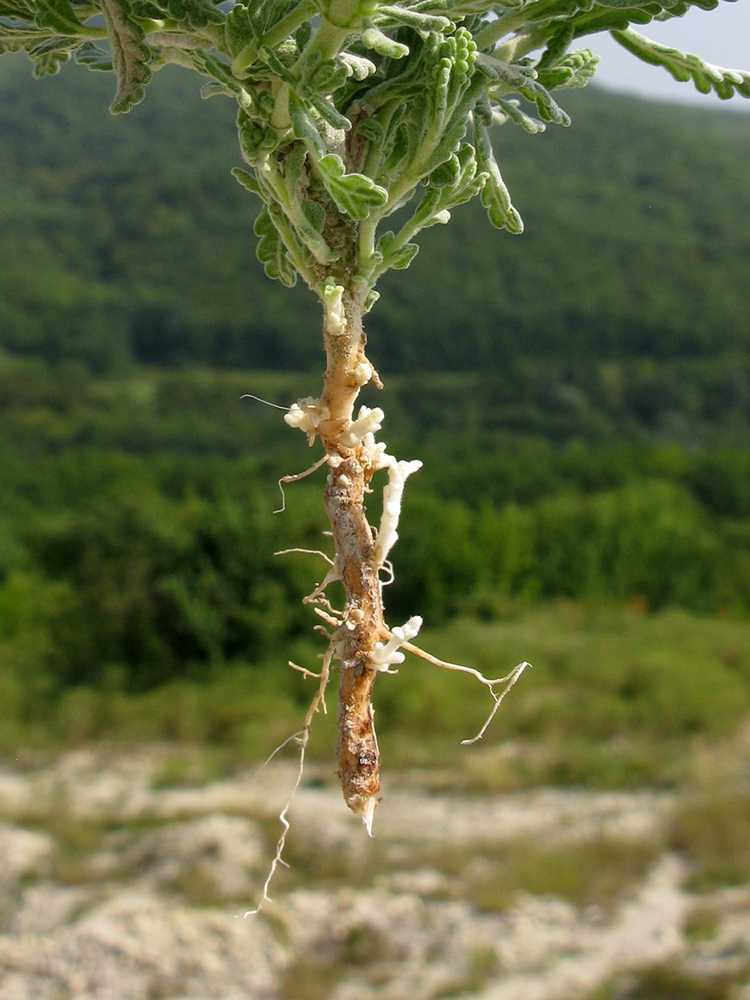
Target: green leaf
373, 38
247, 180
94, 58
414, 19
49, 56
195, 13
329, 76
59, 16
240, 36
354, 194
130, 55
314, 213
271, 251
304, 127
15, 39
400, 258
684, 66
575, 70
509, 110
328, 112
256, 142
495, 197
371, 129
277, 67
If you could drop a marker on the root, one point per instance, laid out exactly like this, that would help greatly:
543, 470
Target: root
296, 478
306, 552
509, 680
302, 738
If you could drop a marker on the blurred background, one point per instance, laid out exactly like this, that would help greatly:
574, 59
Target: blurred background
580, 398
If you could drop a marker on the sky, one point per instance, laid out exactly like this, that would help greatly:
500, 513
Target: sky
720, 36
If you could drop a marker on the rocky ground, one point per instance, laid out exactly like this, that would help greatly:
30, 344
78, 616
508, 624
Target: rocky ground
121, 881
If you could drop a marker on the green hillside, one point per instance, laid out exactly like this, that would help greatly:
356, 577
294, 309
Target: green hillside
580, 396
636, 239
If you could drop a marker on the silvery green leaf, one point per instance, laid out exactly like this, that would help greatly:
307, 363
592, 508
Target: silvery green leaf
447, 173
328, 112
355, 194
256, 142
145, 9
19, 9
219, 71
329, 76
303, 34
371, 129
495, 197
50, 55
247, 180
509, 110
303, 125
548, 108
130, 55
271, 251
94, 58
574, 70
280, 69
358, 66
195, 13
59, 16
400, 258
240, 36
373, 38
214, 89
414, 19
14, 39
684, 66
314, 213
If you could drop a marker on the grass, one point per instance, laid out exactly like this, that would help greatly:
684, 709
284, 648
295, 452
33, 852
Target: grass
713, 832
616, 699
669, 982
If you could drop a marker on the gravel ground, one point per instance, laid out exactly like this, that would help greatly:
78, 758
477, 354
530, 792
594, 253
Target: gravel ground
114, 888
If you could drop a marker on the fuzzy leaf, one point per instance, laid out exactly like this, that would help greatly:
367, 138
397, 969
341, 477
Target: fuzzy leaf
271, 251
371, 129
130, 55
509, 110
398, 259
195, 13
247, 180
373, 38
355, 194
50, 55
575, 70
495, 197
94, 58
329, 76
239, 34
59, 16
414, 19
280, 69
328, 112
357, 66
314, 213
684, 66
304, 127
255, 142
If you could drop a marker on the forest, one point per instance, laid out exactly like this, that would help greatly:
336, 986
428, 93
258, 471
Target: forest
598, 364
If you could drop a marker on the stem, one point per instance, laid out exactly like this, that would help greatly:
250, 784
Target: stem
357, 749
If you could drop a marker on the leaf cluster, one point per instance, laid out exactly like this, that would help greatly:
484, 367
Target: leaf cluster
348, 109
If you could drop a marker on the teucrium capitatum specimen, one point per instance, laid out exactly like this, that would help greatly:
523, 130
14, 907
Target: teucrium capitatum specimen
348, 111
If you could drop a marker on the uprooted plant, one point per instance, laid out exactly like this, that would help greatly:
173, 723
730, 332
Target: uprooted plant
356, 115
